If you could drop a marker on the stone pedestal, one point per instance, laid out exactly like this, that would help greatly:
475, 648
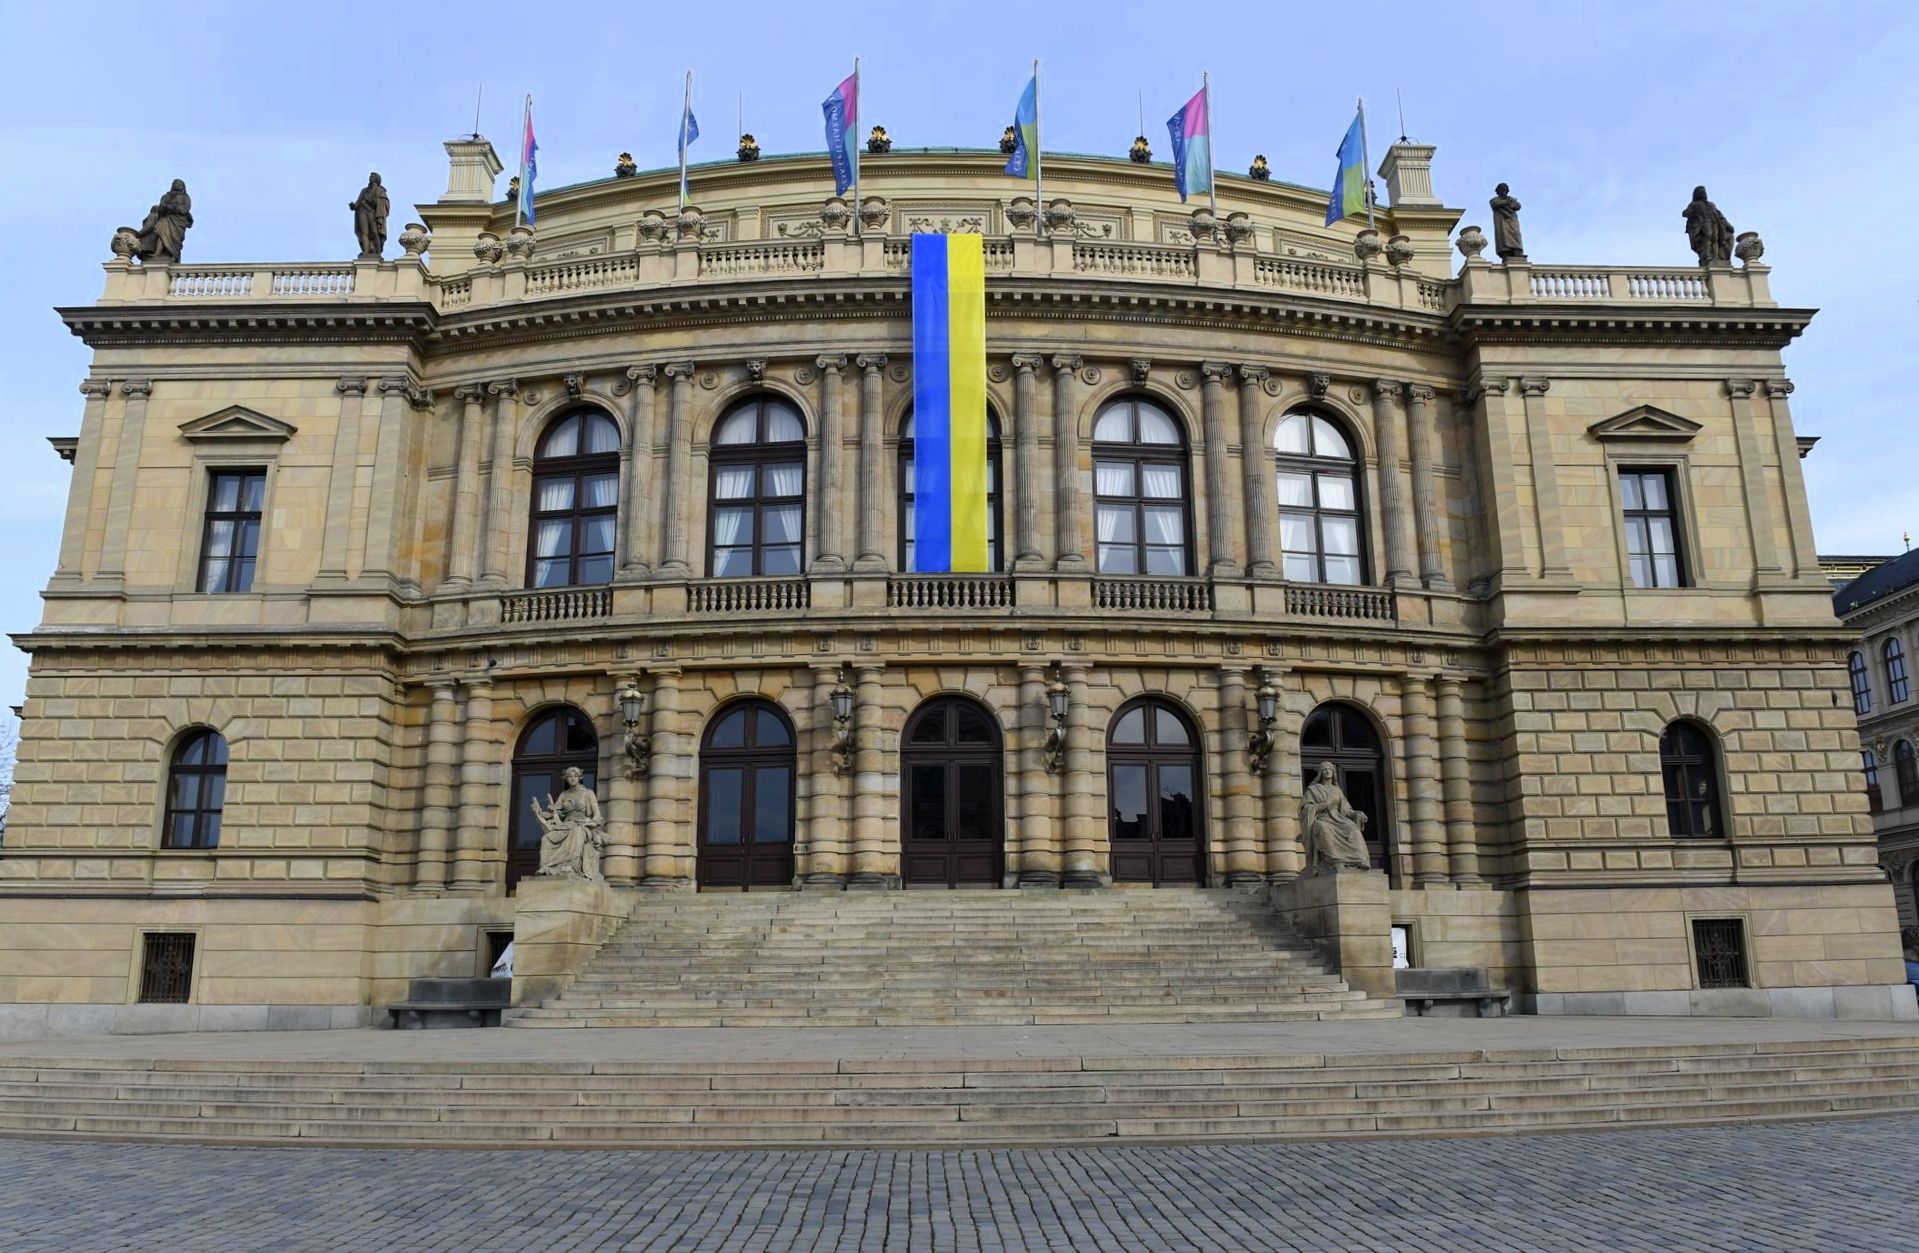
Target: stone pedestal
1349, 917
558, 926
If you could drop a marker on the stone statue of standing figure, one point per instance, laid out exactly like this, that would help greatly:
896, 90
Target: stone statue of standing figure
1334, 831
1708, 231
165, 229
369, 218
574, 837
1506, 225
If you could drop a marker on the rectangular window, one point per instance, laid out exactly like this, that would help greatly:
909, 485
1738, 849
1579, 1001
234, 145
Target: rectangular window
166, 967
230, 546
1719, 945
1652, 528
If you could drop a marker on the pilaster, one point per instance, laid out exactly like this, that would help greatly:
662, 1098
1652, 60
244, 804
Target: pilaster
1257, 475
1039, 853
126, 472
668, 858
1086, 863
1029, 554
499, 481
874, 865
463, 555
625, 803
1241, 825
86, 464
829, 542
1462, 849
637, 481
1224, 558
1280, 784
676, 540
438, 795
872, 557
1419, 425
1792, 481
341, 476
824, 865
386, 498
1539, 444
1752, 479
1422, 780
1068, 495
479, 805
1393, 519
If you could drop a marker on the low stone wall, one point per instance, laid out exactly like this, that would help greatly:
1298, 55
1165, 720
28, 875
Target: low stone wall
1347, 914
560, 924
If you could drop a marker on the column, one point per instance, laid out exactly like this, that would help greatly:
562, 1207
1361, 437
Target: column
667, 860
636, 483
1752, 479
1792, 480
1462, 850
1419, 424
1392, 498
437, 794
340, 480
1086, 863
479, 812
625, 831
1281, 784
126, 472
1219, 505
676, 534
499, 480
1422, 781
397, 395
1481, 530
873, 865
1039, 850
86, 463
873, 479
1067, 506
1241, 824
830, 543
825, 831
1539, 440
1026, 472
463, 559
1258, 473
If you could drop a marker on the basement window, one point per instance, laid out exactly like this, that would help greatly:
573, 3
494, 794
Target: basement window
166, 968
1719, 946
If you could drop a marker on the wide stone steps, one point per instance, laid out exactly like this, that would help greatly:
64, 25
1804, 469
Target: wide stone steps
982, 1102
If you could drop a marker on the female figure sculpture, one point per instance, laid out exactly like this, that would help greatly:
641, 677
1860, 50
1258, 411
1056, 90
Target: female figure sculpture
165, 230
573, 840
1335, 832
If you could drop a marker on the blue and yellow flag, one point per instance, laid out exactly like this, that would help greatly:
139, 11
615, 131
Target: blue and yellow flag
949, 404
1024, 162
1349, 185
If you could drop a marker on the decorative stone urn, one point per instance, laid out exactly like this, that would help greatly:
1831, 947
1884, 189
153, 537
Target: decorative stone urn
1366, 244
652, 226
519, 243
690, 223
1021, 212
836, 214
1748, 247
126, 242
1204, 223
487, 248
415, 238
1471, 242
874, 211
1239, 229
1061, 216
1399, 250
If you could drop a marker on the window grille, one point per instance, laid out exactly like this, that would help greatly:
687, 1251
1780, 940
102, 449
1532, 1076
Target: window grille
166, 968
1719, 944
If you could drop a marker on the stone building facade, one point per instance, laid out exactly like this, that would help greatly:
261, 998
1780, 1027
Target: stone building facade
1519, 548
1881, 607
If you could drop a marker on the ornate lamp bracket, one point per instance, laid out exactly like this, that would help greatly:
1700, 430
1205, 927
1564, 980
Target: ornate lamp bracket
1053, 748
638, 748
843, 724
1259, 745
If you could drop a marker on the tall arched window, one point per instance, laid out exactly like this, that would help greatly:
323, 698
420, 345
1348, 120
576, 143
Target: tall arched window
1690, 765
1319, 528
1155, 828
1869, 762
758, 520
992, 493
1905, 768
747, 769
576, 501
1343, 736
1139, 490
1897, 688
196, 791
554, 740
1861, 684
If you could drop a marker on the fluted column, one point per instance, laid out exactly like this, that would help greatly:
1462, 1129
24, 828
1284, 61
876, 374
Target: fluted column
874, 866
1462, 849
478, 823
636, 479
1068, 502
1028, 554
1086, 860
1281, 784
1039, 846
1545, 466
437, 796
86, 463
499, 480
668, 858
464, 552
1257, 474
625, 833
1793, 480
1393, 517
1419, 424
126, 471
676, 533
873, 479
1422, 781
384, 501
825, 830
1752, 478
1223, 552
340, 479
830, 543
1241, 824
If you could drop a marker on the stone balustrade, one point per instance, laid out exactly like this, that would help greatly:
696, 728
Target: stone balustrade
565, 604
965, 592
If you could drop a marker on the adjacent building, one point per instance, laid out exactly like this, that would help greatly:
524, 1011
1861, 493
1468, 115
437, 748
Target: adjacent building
1881, 607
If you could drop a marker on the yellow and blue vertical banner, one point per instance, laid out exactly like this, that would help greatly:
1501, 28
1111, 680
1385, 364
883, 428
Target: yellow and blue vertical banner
949, 404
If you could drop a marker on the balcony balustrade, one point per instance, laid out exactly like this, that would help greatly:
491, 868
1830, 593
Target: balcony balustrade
565, 604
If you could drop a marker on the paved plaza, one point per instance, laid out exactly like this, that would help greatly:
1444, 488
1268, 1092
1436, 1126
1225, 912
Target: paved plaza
1818, 1187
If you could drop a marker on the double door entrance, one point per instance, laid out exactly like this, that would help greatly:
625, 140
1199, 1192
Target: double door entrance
953, 829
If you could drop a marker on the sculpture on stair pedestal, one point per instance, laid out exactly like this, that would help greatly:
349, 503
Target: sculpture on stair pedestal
574, 836
1334, 831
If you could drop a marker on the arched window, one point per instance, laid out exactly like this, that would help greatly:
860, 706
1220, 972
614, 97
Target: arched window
992, 493
1897, 688
1155, 828
1869, 762
576, 501
1343, 736
1906, 769
196, 791
1689, 762
759, 490
1319, 529
1861, 685
747, 768
554, 740
1139, 490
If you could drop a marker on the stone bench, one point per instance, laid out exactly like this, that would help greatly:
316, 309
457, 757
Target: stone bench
1451, 992
438, 1003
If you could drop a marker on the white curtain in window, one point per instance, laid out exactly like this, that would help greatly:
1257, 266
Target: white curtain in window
730, 526
1160, 482
1165, 526
1113, 478
552, 539
785, 480
733, 482
555, 495
1110, 522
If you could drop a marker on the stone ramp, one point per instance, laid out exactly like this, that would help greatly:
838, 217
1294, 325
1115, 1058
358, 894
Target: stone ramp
1002, 958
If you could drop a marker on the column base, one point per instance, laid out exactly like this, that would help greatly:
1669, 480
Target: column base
1084, 880
1037, 879
1244, 879
868, 881
869, 563
822, 882
666, 883
1437, 583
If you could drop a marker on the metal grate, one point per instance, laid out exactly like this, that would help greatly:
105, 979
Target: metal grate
1720, 945
166, 968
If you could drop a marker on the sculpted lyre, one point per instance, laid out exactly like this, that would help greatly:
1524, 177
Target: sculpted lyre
1334, 831
574, 837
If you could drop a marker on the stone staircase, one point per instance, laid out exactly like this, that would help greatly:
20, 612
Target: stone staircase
980, 1102
952, 958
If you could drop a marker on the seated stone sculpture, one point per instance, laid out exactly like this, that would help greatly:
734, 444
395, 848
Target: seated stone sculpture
574, 837
1335, 832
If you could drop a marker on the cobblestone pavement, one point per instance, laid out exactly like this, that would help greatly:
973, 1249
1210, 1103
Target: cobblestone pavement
1805, 1187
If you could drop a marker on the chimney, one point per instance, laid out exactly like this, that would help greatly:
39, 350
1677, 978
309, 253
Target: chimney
472, 165
1408, 171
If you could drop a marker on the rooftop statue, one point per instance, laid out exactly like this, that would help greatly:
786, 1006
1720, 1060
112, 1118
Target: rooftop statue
1708, 231
1506, 242
1335, 832
165, 228
574, 837
369, 218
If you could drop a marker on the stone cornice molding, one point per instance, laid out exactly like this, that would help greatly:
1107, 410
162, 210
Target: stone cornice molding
1533, 324
266, 322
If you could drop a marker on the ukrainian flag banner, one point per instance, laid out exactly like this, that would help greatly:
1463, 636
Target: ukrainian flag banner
949, 404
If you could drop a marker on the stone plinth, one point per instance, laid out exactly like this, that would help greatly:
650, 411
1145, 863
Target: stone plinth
1347, 914
559, 925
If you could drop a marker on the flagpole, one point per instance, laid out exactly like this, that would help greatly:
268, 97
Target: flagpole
519, 201
1366, 167
856, 147
1212, 192
1039, 172
686, 111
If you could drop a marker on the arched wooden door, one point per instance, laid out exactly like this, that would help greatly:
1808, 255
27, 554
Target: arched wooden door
553, 740
1345, 737
953, 830
746, 799
1156, 825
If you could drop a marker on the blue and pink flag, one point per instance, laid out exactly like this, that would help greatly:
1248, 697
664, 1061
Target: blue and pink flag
842, 110
528, 166
949, 404
1192, 131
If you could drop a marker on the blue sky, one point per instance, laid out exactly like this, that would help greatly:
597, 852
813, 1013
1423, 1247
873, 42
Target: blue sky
1800, 118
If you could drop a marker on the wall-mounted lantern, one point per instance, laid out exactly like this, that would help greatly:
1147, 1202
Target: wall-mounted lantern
638, 748
1259, 746
1058, 704
842, 725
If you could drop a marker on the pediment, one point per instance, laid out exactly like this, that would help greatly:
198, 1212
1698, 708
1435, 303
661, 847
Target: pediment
1645, 422
236, 422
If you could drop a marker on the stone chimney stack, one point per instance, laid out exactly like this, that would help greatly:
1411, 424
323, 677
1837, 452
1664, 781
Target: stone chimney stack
472, 165
1408, 171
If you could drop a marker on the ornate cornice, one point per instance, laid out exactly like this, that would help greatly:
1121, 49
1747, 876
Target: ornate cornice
1611, 324
265, 322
